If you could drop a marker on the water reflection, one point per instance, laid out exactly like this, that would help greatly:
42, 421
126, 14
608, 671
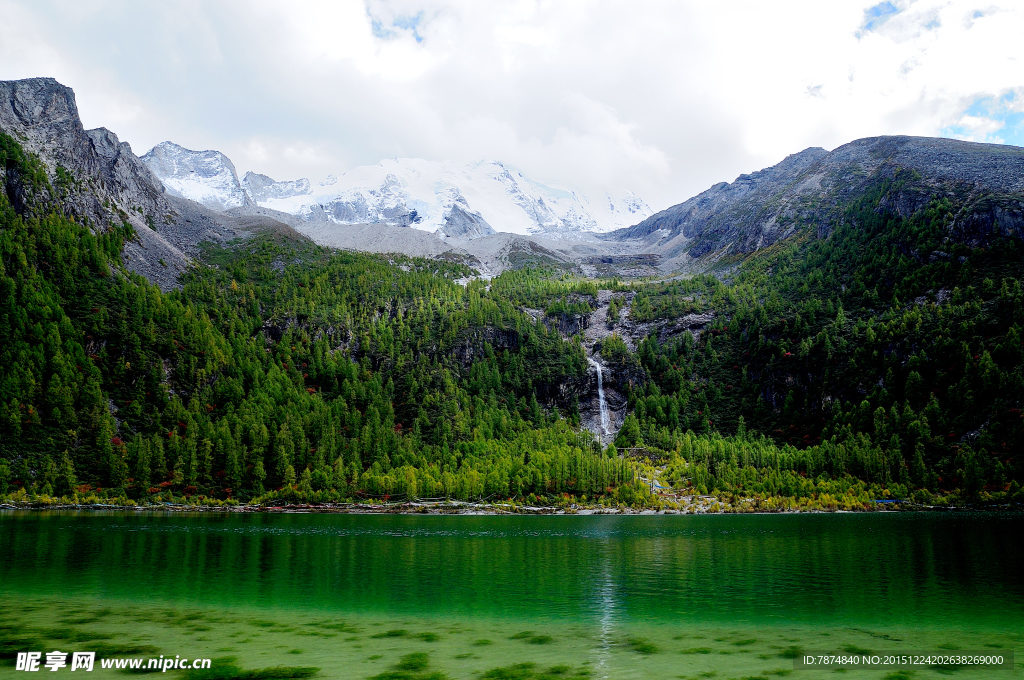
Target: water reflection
605, 604
855, 568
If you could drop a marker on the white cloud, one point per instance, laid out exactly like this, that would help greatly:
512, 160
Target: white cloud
665, 98
979, 126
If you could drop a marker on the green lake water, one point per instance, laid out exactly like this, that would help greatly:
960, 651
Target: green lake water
601, 597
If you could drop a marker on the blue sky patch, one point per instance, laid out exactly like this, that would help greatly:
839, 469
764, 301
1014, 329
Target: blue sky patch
380, 31
997, 110
407, 23
878, 14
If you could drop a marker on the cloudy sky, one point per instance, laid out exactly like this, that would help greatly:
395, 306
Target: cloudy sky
661, 97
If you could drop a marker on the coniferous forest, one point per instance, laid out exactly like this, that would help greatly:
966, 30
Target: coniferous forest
838, 369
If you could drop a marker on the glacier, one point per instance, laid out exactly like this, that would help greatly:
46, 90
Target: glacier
452, 200
206, 177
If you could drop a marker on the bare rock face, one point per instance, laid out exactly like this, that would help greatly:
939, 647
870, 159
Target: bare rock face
722, 215
464, 223
809, 187
43, 116
97, 180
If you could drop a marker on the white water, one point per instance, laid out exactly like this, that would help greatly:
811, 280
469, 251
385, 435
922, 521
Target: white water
605, 420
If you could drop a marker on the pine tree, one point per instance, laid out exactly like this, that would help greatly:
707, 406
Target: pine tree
65, 476
233, 472
629, 435
305, 482
259, 475
288, 479
5, 476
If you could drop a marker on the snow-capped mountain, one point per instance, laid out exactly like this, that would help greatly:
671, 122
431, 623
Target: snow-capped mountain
442, 196
453, 200
206, 177
262, 188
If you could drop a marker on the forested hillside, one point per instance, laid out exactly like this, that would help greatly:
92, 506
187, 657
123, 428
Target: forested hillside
881, 360
888, 351
281, 366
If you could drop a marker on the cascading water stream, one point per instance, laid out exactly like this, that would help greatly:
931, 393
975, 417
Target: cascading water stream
605, 419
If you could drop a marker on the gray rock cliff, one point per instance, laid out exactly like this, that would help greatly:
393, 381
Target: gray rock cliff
461, 222
43, 116
809, 188
97, 180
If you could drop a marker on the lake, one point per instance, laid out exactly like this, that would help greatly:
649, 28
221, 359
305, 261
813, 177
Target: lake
721, 596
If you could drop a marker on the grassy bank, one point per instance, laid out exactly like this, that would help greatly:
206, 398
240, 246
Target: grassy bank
648, 504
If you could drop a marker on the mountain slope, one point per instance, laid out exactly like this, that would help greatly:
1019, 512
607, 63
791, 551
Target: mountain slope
43, 116
94, 178
285, 369
762, 208
866, 343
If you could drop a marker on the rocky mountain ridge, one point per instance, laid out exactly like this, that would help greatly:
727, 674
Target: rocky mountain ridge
42, 116
809, 189
97, 179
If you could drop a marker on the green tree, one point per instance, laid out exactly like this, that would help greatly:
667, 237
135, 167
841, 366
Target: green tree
629, 434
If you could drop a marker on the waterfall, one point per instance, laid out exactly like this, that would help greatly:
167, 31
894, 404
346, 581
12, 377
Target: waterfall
605, 420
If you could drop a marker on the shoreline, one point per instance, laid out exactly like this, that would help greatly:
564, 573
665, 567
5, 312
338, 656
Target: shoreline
463, 508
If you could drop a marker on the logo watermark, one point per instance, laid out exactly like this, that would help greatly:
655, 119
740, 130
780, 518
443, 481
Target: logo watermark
85, 661
993, 659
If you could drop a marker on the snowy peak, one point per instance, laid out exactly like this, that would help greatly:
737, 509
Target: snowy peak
262, 188
206, 177
442, 197
454, 200
631, 206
